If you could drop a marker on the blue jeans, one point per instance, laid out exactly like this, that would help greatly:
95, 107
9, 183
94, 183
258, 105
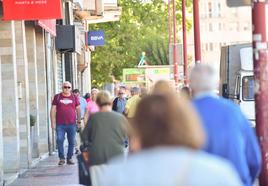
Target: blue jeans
71, 132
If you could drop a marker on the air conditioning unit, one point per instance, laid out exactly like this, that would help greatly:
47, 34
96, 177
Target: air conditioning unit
68, 39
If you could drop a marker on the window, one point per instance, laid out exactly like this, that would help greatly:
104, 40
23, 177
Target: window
210, 9
220, 26
219, 9
211, 46
248, 88
210, 27
234, 26
246, 26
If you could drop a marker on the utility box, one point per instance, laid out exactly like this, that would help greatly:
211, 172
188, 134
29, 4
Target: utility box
68, 39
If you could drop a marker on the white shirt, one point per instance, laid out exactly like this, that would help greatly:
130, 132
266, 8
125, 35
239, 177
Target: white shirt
170, 166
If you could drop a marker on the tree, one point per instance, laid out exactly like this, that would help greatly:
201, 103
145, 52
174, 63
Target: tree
142, 27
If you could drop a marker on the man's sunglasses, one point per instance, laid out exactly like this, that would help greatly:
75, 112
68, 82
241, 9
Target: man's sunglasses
67, 87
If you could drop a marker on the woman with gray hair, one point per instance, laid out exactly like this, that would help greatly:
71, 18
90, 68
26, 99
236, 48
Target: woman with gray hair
105, 132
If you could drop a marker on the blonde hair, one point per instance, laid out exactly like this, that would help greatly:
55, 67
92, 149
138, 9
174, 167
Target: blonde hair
103, 98
162, 87
169, 121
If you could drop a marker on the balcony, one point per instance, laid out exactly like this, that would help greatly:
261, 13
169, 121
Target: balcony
97, 11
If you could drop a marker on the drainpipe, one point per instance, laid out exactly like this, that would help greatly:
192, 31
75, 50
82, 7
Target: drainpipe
175, 62
197, 41
184, 30
260, 57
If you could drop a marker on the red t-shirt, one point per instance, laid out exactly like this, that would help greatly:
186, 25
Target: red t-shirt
66, 108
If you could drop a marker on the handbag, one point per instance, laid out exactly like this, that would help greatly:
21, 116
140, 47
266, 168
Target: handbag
83, 165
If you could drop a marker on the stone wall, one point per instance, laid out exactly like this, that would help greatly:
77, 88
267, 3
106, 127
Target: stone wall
10, 114
1, 135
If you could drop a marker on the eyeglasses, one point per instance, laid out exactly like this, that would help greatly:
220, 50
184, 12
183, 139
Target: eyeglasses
65, 87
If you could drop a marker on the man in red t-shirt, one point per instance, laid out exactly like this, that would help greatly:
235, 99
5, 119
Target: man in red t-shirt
65, 118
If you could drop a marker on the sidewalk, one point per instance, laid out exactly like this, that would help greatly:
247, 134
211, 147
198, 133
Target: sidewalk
47, 172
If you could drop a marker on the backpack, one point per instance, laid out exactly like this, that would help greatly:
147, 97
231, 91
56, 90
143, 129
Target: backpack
115, 104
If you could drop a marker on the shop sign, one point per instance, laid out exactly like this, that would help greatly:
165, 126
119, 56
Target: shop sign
96, 38
134, 75
31, 9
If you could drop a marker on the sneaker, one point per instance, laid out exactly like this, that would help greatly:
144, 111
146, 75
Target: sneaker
70, 162
61, 162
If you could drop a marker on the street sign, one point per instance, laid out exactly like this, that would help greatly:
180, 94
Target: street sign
96, 38
237, 3
31, 9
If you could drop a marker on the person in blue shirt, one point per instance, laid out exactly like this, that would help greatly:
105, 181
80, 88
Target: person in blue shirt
119, 102
229, 134
83, 106
83, 102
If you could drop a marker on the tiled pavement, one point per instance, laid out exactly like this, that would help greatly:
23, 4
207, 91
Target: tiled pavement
48, 173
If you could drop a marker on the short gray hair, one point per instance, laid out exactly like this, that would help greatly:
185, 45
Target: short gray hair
66, 83
204, 78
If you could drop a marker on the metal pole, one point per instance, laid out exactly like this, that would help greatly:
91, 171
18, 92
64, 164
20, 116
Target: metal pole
184, 30
169, 24
260, 57
197, 32
175, 62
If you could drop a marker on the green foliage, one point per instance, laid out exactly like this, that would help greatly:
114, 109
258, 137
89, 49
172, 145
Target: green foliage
142, 27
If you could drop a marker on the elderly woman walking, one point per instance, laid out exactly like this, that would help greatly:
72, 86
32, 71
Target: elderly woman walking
105, 132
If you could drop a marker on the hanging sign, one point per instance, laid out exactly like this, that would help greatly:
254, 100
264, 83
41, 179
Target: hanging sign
96, 38
31, 9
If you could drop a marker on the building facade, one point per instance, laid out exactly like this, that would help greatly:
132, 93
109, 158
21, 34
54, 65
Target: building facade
32, 70
219, 26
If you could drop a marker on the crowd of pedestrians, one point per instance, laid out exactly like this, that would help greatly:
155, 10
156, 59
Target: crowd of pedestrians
191, 137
